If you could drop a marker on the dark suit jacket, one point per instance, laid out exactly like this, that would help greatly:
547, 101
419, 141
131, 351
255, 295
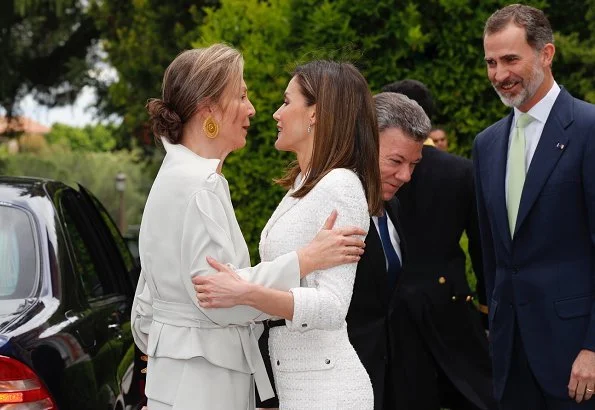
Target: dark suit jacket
437, 206
370, 318
544, 278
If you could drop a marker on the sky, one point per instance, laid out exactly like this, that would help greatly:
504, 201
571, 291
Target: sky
80, 113
76, 115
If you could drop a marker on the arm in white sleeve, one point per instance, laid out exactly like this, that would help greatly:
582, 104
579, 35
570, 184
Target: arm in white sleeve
210, 229
324, 305
141, 313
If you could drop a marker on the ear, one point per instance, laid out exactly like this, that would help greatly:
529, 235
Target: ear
206, 109
312, 114
547, 54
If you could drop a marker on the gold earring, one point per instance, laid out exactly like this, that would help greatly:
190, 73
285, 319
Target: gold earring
210, 127
309, 128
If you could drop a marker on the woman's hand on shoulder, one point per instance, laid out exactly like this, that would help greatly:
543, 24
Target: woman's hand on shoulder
331, 247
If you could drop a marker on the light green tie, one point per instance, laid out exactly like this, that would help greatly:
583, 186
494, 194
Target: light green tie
516, 169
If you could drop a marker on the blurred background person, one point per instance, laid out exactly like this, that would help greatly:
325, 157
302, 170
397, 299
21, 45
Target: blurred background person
439, 138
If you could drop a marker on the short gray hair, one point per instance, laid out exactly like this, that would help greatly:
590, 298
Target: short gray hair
538, 31
395, 110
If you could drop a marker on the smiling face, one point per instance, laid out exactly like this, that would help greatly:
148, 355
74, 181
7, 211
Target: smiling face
398, 156
293, 119
235, 120
520, 75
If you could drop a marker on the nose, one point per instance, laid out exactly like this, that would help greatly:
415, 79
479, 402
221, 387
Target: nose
276, 114
403, 174
500, 73
251, 109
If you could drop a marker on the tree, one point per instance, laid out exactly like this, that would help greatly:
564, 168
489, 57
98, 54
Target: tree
141, 38
46, 46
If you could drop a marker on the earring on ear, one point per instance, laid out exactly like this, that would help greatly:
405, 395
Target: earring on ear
309, 128
210, 127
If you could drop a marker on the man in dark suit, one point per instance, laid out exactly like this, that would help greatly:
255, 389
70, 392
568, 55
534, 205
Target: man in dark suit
374, 320
535, 177
437, 206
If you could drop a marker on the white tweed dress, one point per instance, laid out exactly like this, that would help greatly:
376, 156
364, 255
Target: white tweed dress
314, 365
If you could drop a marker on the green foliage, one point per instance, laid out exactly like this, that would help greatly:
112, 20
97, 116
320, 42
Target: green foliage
94, 170
471, 279
93, 138
44, 46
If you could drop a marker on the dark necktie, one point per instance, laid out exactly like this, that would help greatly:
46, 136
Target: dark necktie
394, 263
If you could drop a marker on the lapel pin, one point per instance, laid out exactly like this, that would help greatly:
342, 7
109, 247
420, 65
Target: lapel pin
560, 146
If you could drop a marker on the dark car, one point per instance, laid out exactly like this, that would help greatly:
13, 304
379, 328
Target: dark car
66, 287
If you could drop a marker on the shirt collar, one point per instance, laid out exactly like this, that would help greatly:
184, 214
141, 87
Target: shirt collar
541, 110
179, 152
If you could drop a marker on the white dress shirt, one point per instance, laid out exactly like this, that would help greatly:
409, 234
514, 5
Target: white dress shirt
540, 112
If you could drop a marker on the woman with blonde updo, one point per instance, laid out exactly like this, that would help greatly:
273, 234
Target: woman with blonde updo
202, 358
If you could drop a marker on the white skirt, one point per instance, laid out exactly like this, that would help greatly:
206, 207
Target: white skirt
196, 384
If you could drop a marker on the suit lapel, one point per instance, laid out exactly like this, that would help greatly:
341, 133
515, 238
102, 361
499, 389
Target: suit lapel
549, 150
497, 175
374, 253
285, 205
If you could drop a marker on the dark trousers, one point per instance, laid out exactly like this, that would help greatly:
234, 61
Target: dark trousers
522, 392
450, 397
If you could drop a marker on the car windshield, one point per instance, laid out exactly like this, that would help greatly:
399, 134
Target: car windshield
19, 263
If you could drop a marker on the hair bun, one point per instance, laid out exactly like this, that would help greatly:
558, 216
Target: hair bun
165, 122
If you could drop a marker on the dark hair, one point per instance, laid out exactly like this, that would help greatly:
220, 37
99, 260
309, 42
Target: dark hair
396, 110
195, 77
417, 91
346, 132
538, 31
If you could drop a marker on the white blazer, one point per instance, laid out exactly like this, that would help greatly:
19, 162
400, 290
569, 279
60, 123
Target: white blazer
188, 216
314, 364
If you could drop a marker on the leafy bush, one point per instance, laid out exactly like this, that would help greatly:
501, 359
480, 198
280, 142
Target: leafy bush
95, 138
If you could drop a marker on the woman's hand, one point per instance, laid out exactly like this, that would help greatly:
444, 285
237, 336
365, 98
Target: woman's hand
223, 289
331, 247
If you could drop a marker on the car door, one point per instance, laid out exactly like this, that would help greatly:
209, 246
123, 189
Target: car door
105, 324
130, 377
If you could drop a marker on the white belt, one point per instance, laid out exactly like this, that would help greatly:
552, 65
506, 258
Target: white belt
187, 315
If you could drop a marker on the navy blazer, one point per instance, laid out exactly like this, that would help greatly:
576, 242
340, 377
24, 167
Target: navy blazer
546, 274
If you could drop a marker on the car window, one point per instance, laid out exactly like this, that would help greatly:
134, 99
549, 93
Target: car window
19, 255
116, 236
124, 266
89, 259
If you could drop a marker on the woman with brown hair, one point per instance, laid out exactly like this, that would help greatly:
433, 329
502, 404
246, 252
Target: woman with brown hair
328, 120
207, 358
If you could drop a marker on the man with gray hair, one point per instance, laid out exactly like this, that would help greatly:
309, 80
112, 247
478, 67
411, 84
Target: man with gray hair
375, 320
535, 178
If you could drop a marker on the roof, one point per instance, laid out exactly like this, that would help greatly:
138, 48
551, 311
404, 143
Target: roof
22, 124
